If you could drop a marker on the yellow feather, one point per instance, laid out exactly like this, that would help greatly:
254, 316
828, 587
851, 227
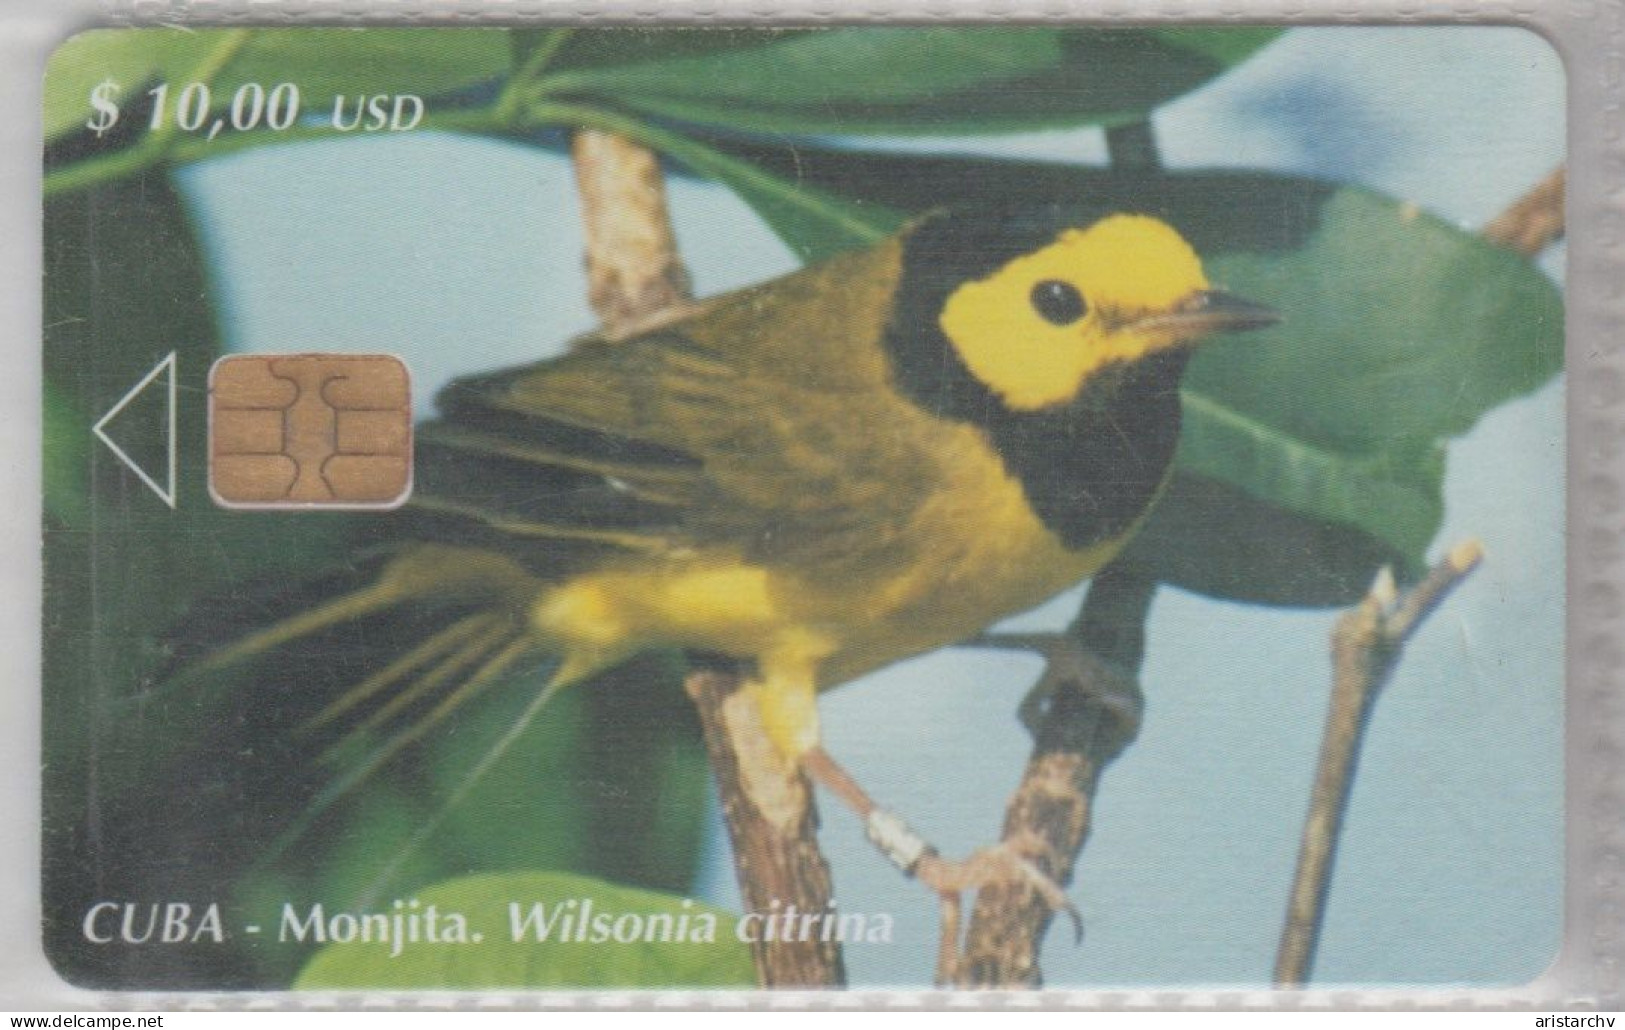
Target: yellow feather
1124, 266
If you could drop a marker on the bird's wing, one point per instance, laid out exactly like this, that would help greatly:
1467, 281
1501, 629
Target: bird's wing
548, 483
656, 446
765, 425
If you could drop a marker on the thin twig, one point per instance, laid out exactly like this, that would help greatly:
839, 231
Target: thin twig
1366, 645
636, 279
1535, 221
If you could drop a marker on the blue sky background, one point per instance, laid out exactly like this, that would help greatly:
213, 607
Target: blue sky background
463, 254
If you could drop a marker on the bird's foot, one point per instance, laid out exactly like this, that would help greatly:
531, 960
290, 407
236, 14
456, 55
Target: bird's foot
998, 865
1003, 864
1069, 665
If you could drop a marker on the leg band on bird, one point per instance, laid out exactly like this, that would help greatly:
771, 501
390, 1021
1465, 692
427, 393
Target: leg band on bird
896, 840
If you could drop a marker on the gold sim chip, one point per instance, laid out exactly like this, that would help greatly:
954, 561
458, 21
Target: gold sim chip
310, 431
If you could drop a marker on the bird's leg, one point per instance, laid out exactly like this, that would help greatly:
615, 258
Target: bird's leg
786, 693
911, 853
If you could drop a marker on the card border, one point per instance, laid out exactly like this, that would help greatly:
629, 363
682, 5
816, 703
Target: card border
1589, 35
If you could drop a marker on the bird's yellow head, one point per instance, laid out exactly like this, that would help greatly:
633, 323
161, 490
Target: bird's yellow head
1037, 327
1062, 337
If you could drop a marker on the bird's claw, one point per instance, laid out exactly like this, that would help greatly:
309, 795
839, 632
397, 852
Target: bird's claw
992, 866
1000, 864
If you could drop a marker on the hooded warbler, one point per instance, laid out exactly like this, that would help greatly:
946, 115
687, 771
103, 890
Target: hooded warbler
870, 458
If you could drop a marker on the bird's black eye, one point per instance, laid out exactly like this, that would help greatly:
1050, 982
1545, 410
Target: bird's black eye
1058, 302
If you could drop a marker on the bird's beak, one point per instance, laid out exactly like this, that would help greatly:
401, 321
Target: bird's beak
1204, 312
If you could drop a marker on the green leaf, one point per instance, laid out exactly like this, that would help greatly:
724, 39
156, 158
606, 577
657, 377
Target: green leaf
1311, 452
669, 949
897, 81
622, 46
1274, 555
322, 62
815, 223
328, 62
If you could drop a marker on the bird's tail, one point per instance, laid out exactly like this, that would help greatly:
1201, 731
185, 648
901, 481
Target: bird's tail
363, 664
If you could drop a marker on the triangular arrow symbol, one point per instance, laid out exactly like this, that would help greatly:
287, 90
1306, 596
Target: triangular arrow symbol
165, 493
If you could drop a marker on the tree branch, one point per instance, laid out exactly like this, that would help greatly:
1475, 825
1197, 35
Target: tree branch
773, 826
1092, 714
1366, 644
636, 280
634, 276
1535, 221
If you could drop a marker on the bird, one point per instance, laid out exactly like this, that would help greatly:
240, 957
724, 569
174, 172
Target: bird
872, 457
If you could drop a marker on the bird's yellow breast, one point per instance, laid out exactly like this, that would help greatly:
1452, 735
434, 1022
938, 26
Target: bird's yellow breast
980, 554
